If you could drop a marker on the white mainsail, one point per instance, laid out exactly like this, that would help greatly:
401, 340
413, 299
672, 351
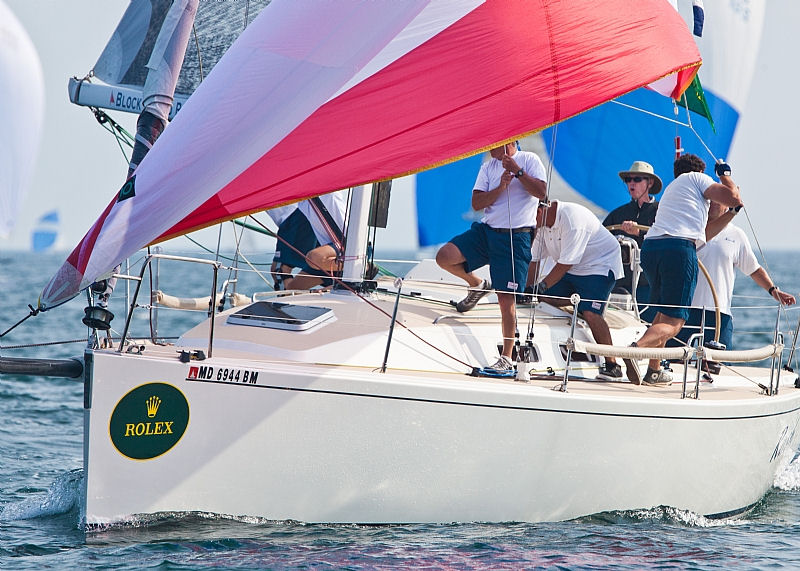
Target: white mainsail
143, 35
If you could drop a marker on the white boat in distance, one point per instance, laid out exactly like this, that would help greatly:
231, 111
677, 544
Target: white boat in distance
357, 405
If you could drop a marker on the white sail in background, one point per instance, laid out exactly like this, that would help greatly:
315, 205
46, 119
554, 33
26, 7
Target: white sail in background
21, 115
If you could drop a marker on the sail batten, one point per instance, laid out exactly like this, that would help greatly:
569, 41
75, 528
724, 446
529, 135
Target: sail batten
274, 123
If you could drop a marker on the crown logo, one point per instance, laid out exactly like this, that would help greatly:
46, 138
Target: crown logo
152, 406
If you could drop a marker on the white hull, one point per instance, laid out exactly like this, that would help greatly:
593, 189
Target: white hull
323, 443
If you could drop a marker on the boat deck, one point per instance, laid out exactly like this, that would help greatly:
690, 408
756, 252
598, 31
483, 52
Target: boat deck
434, 343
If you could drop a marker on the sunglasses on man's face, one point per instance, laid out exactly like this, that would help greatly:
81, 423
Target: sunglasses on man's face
634, 179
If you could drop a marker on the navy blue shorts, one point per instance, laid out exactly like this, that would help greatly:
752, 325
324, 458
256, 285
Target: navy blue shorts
481, 245
594, 290
297, 231
671, 268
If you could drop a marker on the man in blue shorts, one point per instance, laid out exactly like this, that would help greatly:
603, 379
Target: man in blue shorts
508, 188
588, 261
669, 252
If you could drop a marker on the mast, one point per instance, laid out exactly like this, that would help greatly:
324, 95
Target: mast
357, 234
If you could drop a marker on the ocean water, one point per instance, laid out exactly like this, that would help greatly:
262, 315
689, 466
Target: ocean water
41, 473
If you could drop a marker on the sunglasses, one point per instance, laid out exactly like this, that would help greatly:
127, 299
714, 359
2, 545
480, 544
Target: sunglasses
634, 178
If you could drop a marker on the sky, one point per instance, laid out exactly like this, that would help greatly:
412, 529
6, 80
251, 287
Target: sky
80, 167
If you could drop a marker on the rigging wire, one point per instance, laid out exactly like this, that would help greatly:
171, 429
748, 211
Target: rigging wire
540, 244
197, 49
121, 135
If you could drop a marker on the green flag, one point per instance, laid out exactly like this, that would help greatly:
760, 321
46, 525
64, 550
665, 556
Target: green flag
695, 100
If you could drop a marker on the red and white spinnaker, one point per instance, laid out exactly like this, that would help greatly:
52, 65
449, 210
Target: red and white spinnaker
318, 96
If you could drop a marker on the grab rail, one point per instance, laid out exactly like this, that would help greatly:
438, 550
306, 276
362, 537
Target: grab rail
147, 261
685, 354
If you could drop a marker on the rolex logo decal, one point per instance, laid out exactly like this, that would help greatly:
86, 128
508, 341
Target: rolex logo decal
152, 406
128, 189
148, 421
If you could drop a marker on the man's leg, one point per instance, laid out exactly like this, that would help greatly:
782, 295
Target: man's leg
302, 281
600, 331
450, 258
663, 328
322, 258
508, 316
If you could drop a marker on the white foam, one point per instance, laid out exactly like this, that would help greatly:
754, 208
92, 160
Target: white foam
788, 478
61, 497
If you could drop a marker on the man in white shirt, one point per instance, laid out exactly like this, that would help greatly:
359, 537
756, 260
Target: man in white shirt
326, 215
588, 261
295, 239
669, 253
508, 188
722, 254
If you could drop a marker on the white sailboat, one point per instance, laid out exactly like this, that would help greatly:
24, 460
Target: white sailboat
357, 405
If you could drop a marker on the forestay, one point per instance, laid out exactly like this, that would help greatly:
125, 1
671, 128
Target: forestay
314, 97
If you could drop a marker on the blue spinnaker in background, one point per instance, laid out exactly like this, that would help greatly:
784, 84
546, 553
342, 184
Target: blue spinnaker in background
593, 147
444, 200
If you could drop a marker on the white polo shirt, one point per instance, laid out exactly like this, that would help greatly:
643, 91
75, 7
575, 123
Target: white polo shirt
726, 251
335, 203
578, 239
683, 210
281, 213
515, 208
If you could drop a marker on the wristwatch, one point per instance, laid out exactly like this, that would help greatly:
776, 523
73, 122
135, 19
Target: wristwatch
520, 172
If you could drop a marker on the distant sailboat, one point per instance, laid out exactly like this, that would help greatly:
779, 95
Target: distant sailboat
21, 115
45, 233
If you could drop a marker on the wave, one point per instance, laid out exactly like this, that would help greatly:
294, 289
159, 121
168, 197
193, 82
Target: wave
62, 497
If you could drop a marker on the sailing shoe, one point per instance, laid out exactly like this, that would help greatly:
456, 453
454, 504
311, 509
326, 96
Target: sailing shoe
502, 365
632, 369
473, 297
610, 372
657, 377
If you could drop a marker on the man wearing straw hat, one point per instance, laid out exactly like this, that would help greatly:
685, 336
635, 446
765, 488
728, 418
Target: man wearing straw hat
643, 184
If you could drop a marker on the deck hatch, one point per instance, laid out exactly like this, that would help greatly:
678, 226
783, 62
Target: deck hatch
278, 315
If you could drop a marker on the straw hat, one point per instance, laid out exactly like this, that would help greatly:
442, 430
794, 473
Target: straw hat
643, 168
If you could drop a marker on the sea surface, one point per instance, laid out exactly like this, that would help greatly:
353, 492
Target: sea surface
41, 472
